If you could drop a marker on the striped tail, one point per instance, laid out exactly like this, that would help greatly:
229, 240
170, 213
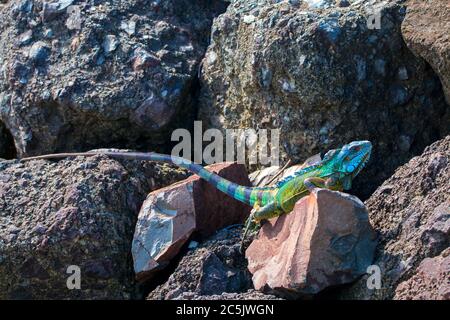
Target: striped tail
244, 194
247, 195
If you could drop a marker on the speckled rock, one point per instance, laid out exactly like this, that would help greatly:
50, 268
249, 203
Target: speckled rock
85, 74
426, 32
78, 212
214, 267
324, 78
430, 282
411, 213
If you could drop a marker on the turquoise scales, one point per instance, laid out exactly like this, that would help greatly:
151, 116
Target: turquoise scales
247, 195
336, 171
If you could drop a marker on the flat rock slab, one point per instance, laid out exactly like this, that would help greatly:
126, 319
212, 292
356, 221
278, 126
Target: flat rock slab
170, 215
327, 240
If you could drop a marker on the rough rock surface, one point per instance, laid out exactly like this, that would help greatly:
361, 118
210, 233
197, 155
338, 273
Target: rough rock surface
430, 282
214, 267
170, 215
322, 77
73, 212
77, 75
411, 213
325, 241
426, 32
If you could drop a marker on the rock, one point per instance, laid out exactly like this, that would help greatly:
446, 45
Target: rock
110, 43
411, 213
129, 27
142, 60
170, 215
324, 78
430, 281
26, 37
78, 212
326, 241
39, 52
215, 267
425, 30
84, 88
153, 113
54, 9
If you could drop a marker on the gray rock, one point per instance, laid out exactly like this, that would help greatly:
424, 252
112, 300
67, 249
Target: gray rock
73, 212
297, 69
110, 43
96, 83
39, 52
425, 30
51, 10
215, 267
26, 37
411, 213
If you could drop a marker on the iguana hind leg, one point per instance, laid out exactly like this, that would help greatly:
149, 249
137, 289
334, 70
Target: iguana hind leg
257, 214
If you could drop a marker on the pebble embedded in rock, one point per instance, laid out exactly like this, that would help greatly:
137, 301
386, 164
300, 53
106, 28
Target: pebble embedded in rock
39, 52
110, 43
26, 37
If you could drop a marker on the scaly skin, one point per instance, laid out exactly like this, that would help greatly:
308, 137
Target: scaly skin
334, 172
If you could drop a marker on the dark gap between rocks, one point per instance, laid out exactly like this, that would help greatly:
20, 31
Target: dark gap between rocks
7, 146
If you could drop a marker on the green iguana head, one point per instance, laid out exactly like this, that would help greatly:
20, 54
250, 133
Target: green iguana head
349, 160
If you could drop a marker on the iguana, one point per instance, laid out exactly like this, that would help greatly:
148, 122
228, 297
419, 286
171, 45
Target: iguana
335, 171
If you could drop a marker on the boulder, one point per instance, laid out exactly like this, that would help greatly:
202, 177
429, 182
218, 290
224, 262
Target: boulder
57, 217
212, 268
426, 32
411, 213
322, 75
430, 281
170, 215
85, 74
325, 241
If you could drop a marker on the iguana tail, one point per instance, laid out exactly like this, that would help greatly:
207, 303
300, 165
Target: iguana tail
244, 194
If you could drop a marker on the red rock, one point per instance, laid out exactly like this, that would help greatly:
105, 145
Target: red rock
430, 281
170, 215
327, 240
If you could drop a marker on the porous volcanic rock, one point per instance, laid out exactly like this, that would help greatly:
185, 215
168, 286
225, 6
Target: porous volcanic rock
170, 215
322, 75
430, 281
78, 75
411, 213
325, 241
426, 32
214, 267
79, 212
